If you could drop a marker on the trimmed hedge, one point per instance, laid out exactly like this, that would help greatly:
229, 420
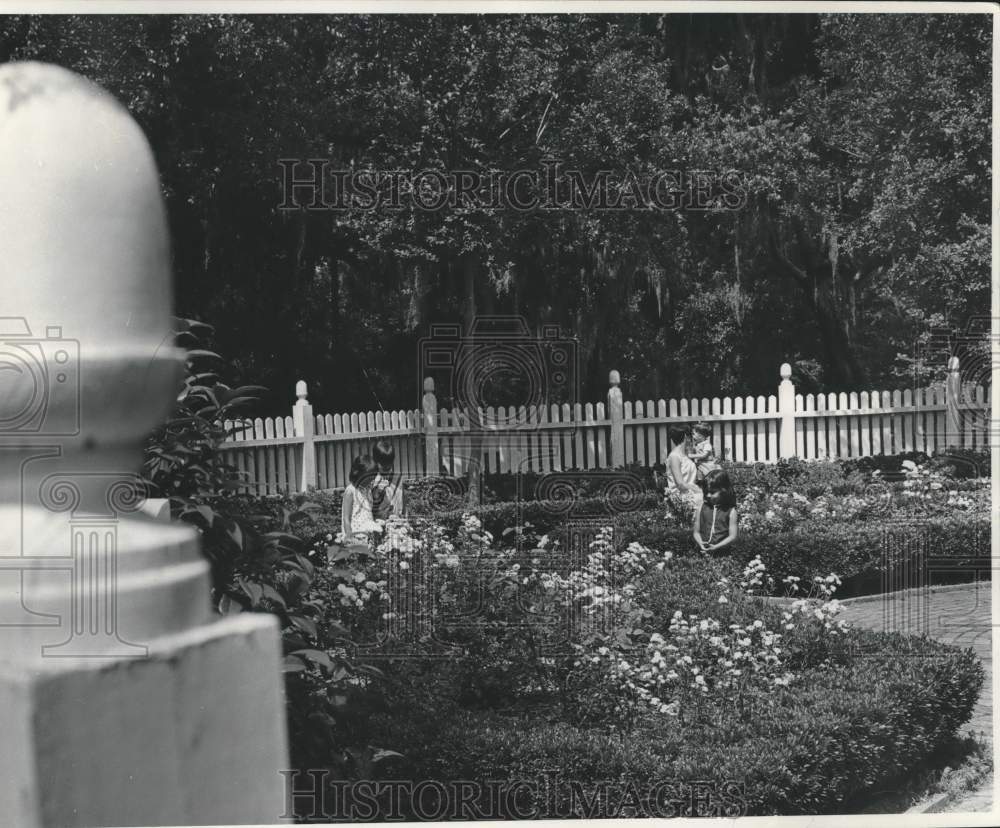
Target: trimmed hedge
844, 732
547, 515
855, 551
959, 548
866, 709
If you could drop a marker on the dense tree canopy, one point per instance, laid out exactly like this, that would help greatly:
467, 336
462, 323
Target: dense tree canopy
861, 144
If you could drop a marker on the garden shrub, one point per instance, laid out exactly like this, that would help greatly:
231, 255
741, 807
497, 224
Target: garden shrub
856, 551
885, 463
447, 493
850, 476
546, 516
961, 463
811, 750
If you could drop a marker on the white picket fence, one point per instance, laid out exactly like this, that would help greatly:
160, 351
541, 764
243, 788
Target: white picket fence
302, 451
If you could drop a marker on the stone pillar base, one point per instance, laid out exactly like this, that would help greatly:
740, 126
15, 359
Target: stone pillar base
193, 734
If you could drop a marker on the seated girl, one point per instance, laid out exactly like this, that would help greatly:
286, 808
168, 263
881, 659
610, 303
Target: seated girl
716, 523
357, 520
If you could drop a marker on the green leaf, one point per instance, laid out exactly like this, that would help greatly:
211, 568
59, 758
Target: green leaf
292, 664
316, 656
202, 354
254, 591
272, 594
307, 625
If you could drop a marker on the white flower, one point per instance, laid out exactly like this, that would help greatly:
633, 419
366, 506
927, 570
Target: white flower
723, 599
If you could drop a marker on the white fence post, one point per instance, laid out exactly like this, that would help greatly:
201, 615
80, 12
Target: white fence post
786, 409
953, 399
305, 427
616, 415
430, 428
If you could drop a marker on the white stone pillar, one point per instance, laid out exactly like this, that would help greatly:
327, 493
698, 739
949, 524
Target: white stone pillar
305, 427
786, 412
616, 415
124, 699
430, 421
953, 405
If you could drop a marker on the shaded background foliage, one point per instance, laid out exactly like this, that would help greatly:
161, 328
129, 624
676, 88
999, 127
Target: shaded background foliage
863, 141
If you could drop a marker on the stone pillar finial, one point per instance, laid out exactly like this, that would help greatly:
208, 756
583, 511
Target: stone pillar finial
126, 698
85, 265
90, 371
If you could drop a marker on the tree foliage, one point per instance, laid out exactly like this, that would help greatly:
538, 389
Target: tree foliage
862, 142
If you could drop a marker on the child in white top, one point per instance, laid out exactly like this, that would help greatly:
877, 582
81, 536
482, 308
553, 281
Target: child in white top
357, 520
703, 452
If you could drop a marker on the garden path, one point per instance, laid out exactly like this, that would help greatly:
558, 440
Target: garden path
958, 615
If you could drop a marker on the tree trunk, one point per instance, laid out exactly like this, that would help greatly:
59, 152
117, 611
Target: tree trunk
844, 369
334, 271
474, 480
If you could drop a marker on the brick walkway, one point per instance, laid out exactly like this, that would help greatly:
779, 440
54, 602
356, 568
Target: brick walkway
957, 615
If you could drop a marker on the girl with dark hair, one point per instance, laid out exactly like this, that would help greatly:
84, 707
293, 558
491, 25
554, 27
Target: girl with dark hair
357, 518
716, 523
387, 496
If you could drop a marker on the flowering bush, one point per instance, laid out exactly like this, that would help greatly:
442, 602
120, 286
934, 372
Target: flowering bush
919, 492
738, 649
680, 507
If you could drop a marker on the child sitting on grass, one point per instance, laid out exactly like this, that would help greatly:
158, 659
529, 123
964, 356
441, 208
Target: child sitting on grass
716, 523
357, 519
